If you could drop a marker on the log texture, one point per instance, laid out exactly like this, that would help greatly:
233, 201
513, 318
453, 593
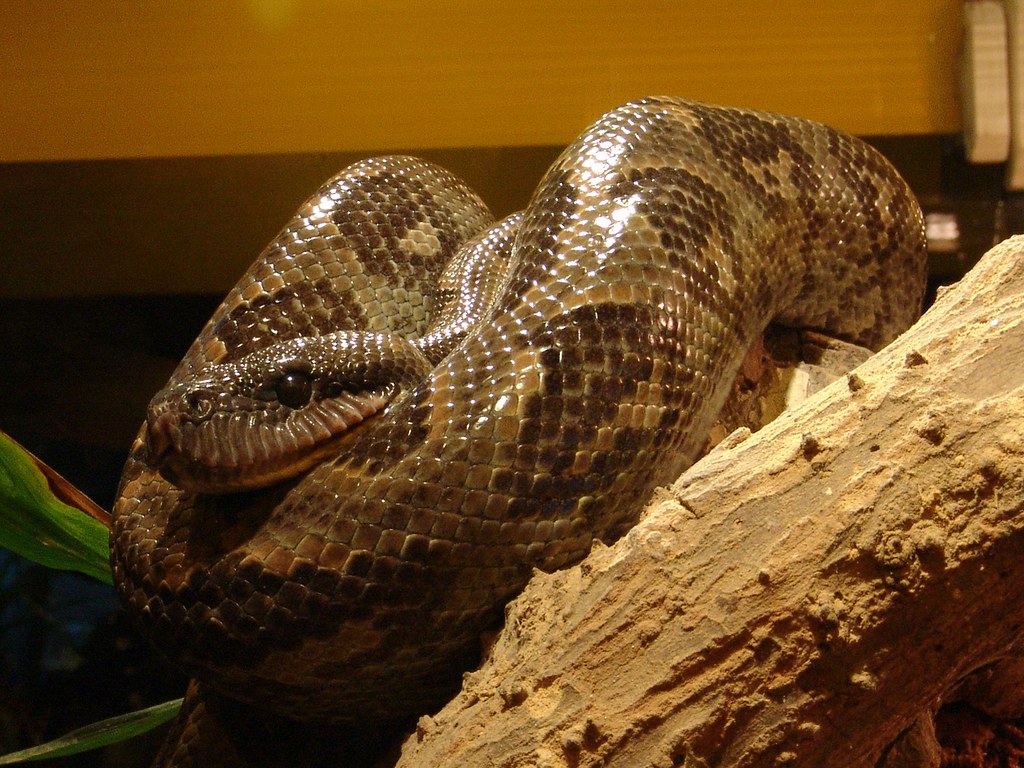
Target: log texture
808, 595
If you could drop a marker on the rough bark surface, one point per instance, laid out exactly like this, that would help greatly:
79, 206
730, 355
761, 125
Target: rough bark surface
805, 596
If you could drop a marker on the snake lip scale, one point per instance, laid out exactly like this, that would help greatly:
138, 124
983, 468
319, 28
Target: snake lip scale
404, 407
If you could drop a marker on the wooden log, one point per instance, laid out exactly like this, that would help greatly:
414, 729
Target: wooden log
808, 595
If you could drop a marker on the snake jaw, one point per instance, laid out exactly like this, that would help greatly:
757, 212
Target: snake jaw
271, 415
202, 449
274, 413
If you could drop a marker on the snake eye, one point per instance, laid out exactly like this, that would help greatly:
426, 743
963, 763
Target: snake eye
294, 389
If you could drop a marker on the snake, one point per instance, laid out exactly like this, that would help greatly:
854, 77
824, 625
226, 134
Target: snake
405, 408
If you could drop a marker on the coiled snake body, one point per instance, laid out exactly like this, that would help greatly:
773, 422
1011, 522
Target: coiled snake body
402, 409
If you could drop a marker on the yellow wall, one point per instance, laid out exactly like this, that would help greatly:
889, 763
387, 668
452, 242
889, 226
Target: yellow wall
110, 78
289, 91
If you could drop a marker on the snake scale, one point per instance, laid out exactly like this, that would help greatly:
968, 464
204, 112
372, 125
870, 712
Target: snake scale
403, 408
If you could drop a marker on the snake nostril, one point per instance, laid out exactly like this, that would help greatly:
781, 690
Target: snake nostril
200, 404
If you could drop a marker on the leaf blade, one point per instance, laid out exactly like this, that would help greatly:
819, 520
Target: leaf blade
37, 525
98, 734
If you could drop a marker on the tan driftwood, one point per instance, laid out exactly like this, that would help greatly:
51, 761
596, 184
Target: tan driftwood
807, 596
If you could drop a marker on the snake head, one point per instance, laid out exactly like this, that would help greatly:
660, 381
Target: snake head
276, 412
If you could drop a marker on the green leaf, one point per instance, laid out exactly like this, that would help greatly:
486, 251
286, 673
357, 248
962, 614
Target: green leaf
37, 525
98, 734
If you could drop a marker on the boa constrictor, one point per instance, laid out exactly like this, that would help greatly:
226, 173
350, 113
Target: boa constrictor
403, 408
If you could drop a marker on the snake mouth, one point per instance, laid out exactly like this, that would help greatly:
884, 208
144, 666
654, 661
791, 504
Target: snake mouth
235, 451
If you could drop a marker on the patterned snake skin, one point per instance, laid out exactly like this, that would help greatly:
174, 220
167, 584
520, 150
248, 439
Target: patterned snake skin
338, 533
